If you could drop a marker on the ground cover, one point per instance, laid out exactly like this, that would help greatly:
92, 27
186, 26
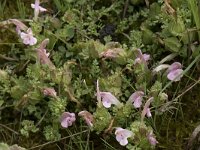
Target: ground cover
91, 74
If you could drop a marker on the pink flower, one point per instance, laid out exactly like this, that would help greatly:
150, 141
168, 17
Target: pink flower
67, 119
18, 30
175, 71
141, 58
43, 55
28, 38
20, 26
37, 9
87, 116
122, 135
152, 139
136, 99
111, 53
146, 110
108, 99
49, 92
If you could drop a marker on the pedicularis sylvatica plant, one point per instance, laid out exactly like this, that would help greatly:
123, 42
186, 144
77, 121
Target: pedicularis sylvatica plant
72, 79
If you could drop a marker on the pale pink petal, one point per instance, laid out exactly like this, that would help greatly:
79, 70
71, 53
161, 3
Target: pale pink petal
23, 35
175, 75
49, 92
122, 135
136, 99
29, 31
148, 112
106, 103
108, 99
152, 139
123, 142
146, 109
18, 30
174, 66
67, 119
137, 61
141, 58
146, 57
88, 117
137, 102
32, 5
64, 123
32, 41
28, 38
19, 24
45, 52
42, 9
111, 53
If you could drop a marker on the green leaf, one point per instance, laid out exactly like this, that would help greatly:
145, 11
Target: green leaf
1, 102
173, 44
66, 32
177, 27
4, 146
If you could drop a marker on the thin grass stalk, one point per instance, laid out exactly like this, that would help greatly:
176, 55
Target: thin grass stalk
193, 4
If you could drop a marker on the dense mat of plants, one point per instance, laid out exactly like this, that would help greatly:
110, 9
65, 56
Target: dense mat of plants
91, 74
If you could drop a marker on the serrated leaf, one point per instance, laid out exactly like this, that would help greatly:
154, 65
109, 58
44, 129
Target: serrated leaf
172, 43
177, 27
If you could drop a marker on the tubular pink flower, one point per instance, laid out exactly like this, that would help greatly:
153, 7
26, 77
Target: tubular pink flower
136, 99
67, 119
141, 58
175, 72
43, 55
37, 9
88, 117
20, 25
108, 99
28, 38
111, 53
18, 30
146, 109
122, 135
49, 92
148, 112
152, 139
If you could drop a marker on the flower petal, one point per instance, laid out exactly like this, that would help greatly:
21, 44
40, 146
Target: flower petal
88, 117
32, 41
108, 99
123, 142
42, 9
136, 98
32, 5
106, 103
67, 119
146, 57
174, 66
122, 135
148, 112
152, 139
138, 102
175, 75
64, 123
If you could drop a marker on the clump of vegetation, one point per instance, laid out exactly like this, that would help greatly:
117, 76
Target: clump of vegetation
99, 74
